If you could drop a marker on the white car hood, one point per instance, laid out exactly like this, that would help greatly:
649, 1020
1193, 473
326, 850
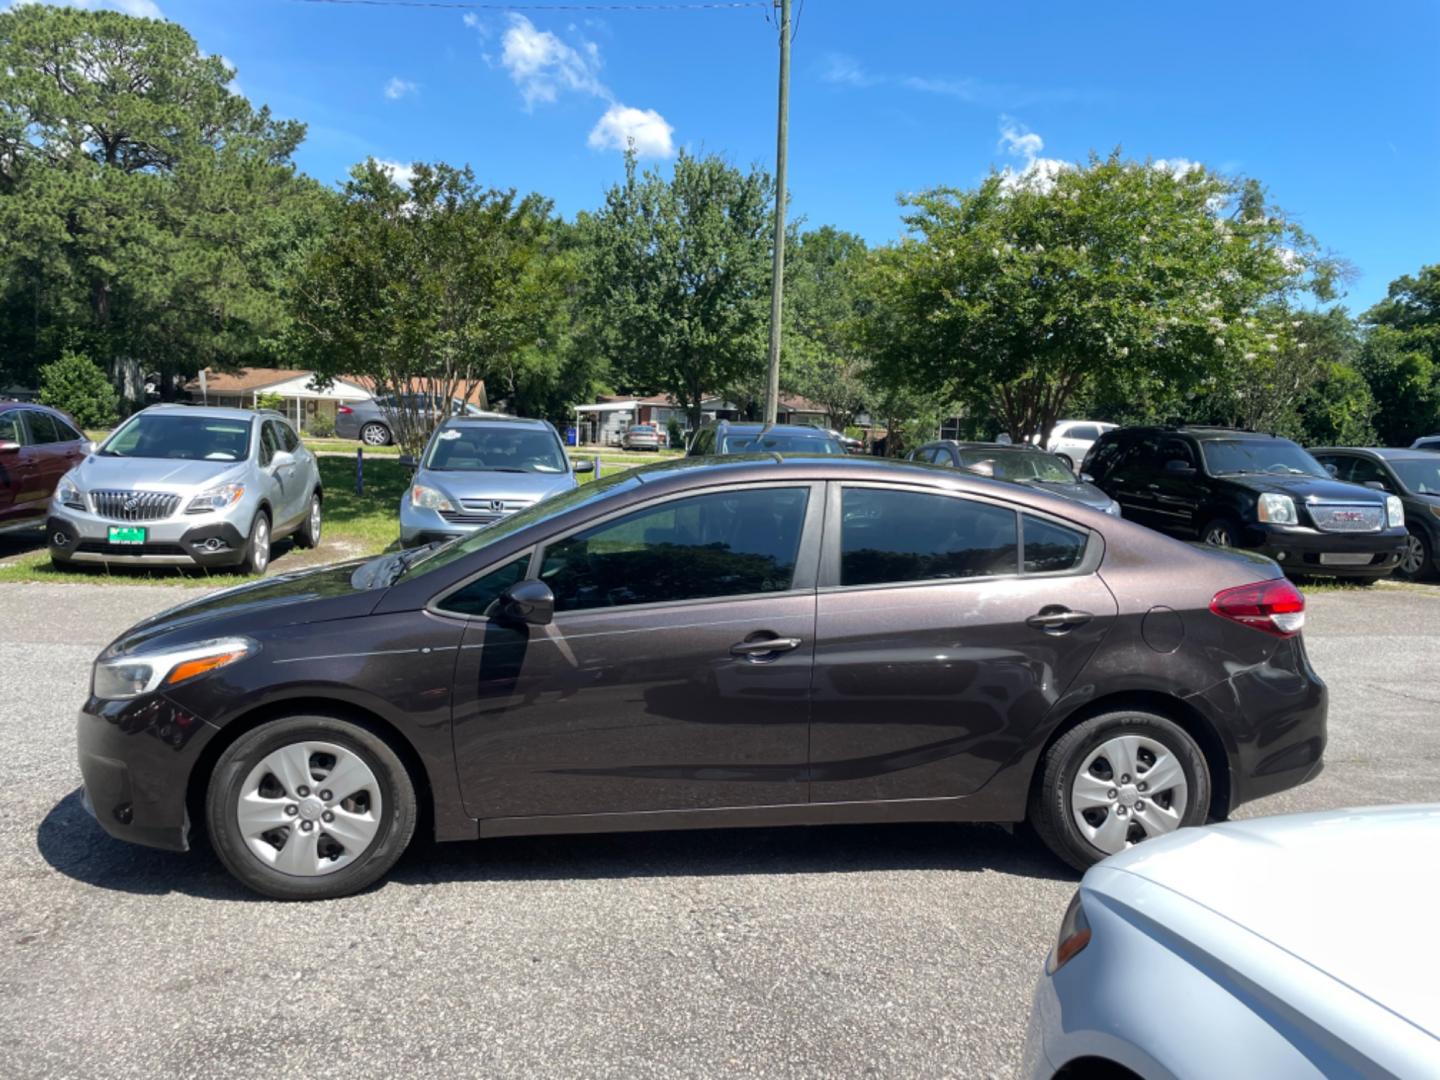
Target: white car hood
1354, 893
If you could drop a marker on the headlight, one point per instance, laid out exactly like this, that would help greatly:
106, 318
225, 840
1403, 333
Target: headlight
1395, 511
1074, 935
427, 498
70, 494
1278, 509
1113, 509
217, 498
143, 673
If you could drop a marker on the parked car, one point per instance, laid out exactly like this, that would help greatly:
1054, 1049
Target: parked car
741, 437
38, 445
370, 420
702, 643
181, 485
1017, 464
850, 444
1413, 475
1285, 946
476, 471
1071, 440
1231, 488
1426, 442
642, 437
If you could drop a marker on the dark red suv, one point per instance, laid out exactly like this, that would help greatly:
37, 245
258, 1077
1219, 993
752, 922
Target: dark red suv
38, 445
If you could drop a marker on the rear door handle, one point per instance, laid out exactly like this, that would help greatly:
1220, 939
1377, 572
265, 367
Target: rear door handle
1057, 620
763, 646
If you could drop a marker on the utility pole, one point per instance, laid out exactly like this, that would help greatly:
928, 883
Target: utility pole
777, 281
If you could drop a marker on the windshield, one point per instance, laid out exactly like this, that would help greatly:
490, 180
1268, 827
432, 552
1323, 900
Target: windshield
1421, 477
781, 443
541, 511
182, 437
473, 448
1006, 465
1276, 456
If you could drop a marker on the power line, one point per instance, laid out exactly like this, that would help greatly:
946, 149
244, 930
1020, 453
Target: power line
464, 5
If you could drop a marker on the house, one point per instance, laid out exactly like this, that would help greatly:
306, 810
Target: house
301, 400
605, 421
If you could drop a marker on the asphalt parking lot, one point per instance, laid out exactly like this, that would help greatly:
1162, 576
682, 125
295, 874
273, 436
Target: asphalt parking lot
848, 951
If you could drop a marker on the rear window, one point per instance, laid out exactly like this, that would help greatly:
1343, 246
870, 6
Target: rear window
899, 536
781, 443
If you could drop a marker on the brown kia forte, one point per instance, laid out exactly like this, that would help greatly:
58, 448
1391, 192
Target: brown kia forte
712, 642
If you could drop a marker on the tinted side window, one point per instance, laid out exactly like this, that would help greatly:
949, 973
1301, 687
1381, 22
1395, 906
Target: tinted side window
65, 431
1174, 450
1102, 457
725, 544
1087, 432
1342, 465
477, 597
288, 439
892, 536
9, 429
1363, 471
42, 428
268, 442
1050, 547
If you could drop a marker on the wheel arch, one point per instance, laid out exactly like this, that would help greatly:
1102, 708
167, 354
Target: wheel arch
1190, 719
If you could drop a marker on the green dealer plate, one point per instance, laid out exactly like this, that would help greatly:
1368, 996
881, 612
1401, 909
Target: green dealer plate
127, 534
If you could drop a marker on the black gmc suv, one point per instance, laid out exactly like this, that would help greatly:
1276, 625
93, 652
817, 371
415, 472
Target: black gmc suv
1234, 488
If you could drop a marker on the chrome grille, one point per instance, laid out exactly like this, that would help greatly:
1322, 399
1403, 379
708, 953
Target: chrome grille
459, 517
493, 507
134, 505
1348, 519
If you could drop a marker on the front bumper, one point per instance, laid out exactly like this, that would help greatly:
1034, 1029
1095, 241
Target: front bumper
76, 537
419, 527
1299, 549
135, 760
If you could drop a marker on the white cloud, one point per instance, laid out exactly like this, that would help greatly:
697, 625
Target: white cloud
1038, 172
1177, 167
398, 88
846, 71
542, 65
401, 173
622, 126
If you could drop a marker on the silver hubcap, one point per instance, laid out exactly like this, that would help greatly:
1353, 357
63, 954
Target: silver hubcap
309, 808
1130, 788
374, 434
315, 521
1413, 557
261, 555
1219, 536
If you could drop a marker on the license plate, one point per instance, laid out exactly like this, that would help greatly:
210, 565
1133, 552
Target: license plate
1345, 558
127, 534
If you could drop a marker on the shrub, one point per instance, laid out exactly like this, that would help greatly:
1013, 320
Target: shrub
676, 435
75, 384
273, 402
321, 426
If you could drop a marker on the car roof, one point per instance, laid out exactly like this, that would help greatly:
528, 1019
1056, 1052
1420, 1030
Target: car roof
496, 419
997, 447
782, 429
216, 412
1387, 453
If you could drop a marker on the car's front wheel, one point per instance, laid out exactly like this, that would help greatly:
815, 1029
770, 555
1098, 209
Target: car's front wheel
257, 546
1115, 780
1221, 533
310, 808
309, 533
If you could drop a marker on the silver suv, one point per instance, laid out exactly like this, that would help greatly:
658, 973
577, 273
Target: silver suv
178, 485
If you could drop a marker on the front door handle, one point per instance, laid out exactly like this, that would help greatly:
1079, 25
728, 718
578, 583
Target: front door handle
764, 646
1057, 620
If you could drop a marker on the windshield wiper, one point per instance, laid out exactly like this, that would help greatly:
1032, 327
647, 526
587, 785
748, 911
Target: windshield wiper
403, 559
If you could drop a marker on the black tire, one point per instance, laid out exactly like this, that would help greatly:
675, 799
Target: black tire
379, 434
1065, 460
308, 535
257, 545
398, 814
1427, 556
1050, 804
1218, 527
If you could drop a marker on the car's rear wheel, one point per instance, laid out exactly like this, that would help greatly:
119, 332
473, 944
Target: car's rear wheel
375, 434
1221, 532
309, 533
1115, 780
310, 808
257, 546
1414, 558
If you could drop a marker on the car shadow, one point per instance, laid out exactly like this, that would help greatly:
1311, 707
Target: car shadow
72, 843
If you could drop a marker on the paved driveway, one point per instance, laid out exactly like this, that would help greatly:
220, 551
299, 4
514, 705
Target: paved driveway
849, 951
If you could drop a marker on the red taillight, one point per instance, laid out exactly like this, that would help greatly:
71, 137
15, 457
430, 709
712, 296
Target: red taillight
1276, 607
344, 410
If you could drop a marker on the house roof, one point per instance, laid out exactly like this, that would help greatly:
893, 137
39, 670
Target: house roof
245, 380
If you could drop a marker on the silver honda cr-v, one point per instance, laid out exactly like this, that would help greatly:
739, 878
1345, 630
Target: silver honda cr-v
180, 485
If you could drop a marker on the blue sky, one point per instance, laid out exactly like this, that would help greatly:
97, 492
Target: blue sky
1336, 108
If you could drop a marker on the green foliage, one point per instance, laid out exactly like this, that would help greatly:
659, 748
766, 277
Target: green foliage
320, 426
1115, 278
677, 278
1401, 357
75, 384
822, 356
270, 402
675, 433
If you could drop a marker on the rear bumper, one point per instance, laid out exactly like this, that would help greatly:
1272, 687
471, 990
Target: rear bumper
1301, 550
135, 760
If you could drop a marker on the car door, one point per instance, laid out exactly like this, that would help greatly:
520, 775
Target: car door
48, 453
675, 674
1176, 495
17, 472
945, 629
300, 480
1132, 480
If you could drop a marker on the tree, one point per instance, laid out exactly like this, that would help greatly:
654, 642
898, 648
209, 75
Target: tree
145, 207
74, 384
677, 278
1115, 278
424, 292
823, 358
1401, 357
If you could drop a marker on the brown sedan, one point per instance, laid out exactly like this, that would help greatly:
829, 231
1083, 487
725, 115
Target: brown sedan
713, 642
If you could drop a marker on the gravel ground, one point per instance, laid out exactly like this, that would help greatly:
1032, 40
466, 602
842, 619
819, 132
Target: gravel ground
853, 951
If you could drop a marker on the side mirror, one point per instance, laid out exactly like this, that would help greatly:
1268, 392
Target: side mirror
281, 460
1177, 467
407, 461
583, 465
9, 446
530, 602
1085, 477
1377, 485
